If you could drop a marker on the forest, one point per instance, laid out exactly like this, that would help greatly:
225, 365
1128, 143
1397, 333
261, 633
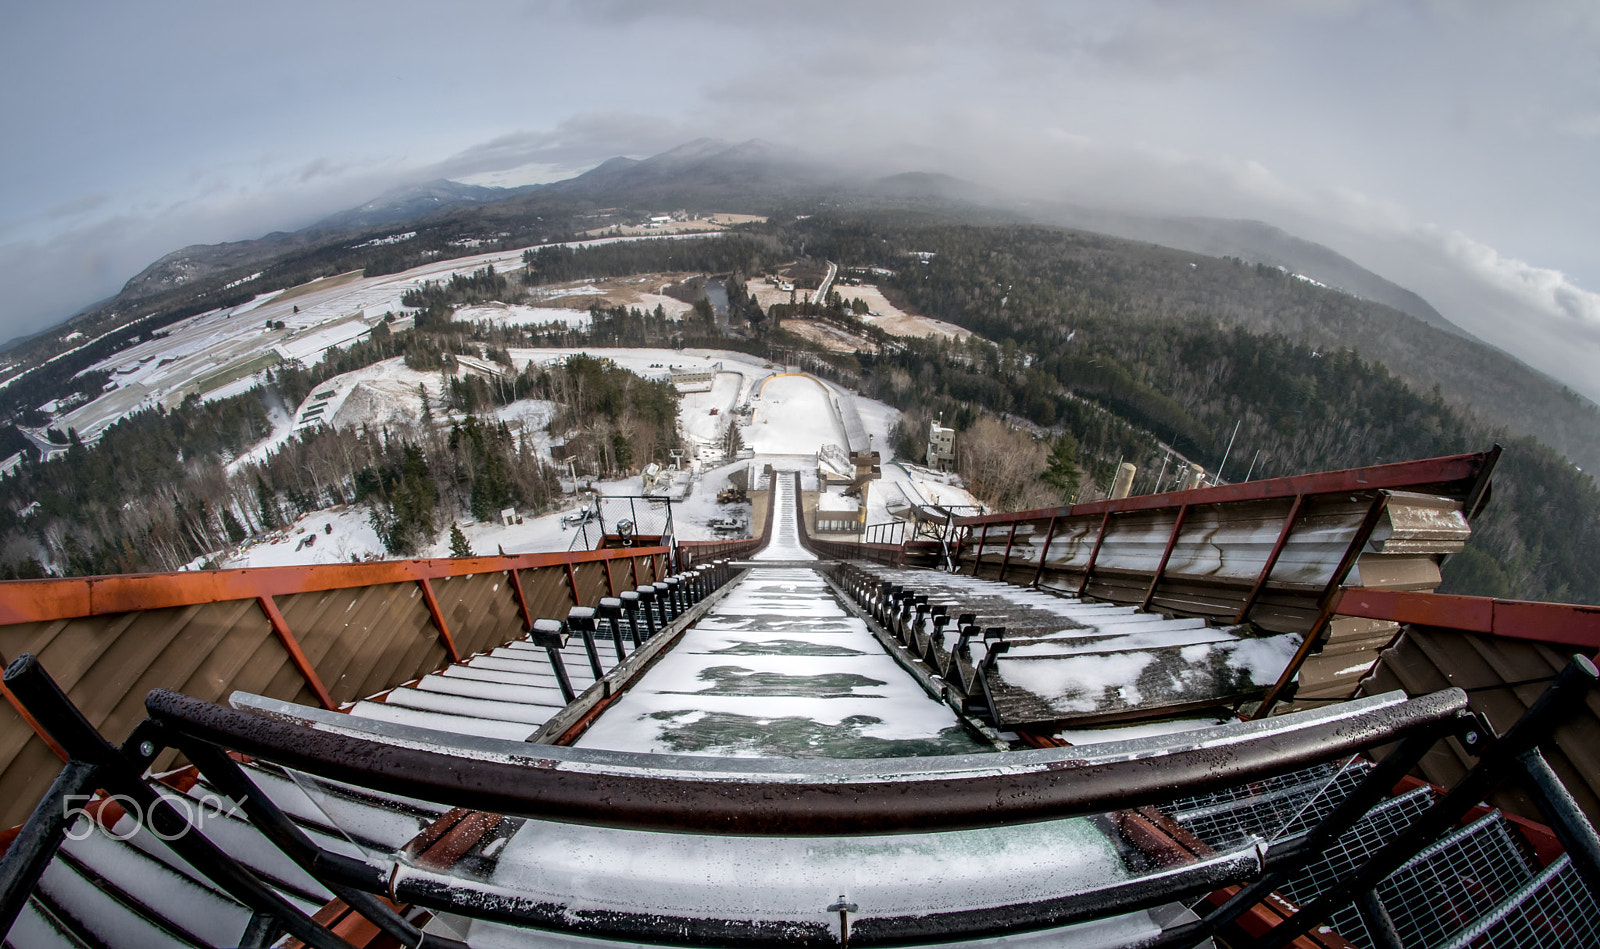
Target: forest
1081, 317
161, 489
1089, 352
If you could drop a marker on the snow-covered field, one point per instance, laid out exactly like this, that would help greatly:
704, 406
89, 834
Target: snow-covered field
705, 415
895, 321
503, 314
227, 351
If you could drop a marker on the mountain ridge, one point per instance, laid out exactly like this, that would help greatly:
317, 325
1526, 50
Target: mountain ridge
757, 176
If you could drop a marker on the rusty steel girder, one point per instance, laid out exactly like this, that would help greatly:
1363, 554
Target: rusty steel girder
26, 601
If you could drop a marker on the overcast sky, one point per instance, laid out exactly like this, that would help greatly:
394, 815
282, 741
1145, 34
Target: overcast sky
1452, 147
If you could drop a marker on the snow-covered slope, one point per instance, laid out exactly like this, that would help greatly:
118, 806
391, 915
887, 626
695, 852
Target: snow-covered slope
793, 416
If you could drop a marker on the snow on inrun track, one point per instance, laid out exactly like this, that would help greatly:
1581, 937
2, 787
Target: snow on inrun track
793, 416
227, 351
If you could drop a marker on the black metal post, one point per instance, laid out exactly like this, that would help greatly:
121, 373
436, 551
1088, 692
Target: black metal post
1572, 828
610, 609
552, 636
647, 596
630, 606
580, 620
1380, 925
664, 602
40, 837
49, 706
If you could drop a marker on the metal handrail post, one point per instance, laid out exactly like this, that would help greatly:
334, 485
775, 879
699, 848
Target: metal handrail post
40, 837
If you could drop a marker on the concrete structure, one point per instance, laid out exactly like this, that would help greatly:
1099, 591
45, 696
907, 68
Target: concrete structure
694, 378
1123, 485
941, 446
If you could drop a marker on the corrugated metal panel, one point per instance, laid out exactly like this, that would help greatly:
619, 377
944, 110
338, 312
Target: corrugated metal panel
549, 595
359, 638
30, 767
626, 573
1502, 677
320, 622
106, 664
480, 609
591, 579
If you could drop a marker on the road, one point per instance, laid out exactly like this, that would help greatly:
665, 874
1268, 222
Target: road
821, 295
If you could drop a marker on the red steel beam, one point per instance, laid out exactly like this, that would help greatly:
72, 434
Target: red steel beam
1565, 624
28, 601
1044, 551
1088, 568
572, 584
522, 601
611, 585
1272, 560
33, 723
296, 654
1005, 561
1452, 470
438, 620
977, 559
1166, 555
1330, 595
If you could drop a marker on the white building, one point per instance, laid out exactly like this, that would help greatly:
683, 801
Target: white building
941, 445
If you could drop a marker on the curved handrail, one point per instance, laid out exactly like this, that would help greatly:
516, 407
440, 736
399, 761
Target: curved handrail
765, 797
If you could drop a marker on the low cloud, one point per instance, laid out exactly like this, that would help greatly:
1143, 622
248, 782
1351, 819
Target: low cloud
574, 145
1444, 147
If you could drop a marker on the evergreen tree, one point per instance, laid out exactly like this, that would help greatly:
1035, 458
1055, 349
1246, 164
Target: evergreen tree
458, 542
231, 525
622, 451
267, 501
1061, 470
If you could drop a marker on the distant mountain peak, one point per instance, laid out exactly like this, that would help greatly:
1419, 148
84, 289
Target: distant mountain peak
407, 201
698, 148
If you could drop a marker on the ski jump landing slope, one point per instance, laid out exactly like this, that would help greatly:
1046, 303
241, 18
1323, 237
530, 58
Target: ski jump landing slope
793, 388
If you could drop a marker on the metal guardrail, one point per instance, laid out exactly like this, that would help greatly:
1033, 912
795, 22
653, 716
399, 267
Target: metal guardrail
325, 634
24, 601
1463, 475
776, 797
1127, 550
790, 797
1564, 624
691, 552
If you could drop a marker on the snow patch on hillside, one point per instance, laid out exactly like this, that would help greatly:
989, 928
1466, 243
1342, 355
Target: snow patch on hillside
503, 314
794, 416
